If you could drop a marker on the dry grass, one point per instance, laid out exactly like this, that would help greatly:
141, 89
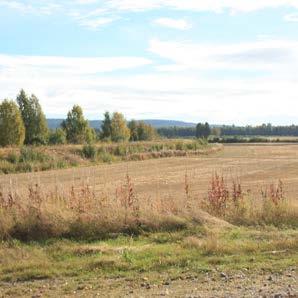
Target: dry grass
268, 207
44, 158
80, 213
149, 195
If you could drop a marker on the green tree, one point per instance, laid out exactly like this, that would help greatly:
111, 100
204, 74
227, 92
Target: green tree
145, 132
77, 129
203, 130
106, 127
119, 130
133, 127
34, 119
12, 130
57, 137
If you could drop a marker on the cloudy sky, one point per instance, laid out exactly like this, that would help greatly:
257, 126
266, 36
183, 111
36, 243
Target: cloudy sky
222, 61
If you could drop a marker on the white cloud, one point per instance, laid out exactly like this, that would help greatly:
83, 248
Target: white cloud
115, 8
93, 14
83, 2
32, 7
267, 55
292, 17
96, 22
179, 24
67, 65
201, 5
189, 95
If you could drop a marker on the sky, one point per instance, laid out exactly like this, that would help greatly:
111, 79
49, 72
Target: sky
221, 61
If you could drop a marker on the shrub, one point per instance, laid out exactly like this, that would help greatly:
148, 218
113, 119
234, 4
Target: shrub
57, 137
13, 157
29, 154
120, 150
89, 151
6, 167
179, 146
105, 157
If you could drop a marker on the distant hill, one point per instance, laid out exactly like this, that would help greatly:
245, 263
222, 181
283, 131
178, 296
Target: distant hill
55, 123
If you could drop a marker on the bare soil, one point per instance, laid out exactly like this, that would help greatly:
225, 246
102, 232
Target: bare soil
215, 284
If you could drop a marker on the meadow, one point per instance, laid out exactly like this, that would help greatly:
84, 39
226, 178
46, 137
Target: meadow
150, 226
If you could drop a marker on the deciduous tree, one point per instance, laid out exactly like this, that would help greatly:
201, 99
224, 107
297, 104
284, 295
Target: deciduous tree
119, 130
33, 118
12, 130
77, 129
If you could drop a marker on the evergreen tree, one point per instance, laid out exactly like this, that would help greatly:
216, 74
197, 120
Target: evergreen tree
12, 130
207, 130
133, 127
119, 130
203, 130
77, 128
106, 128
34, 119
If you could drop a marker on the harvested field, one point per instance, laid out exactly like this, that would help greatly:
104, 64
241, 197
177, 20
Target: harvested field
257, 165
105, 252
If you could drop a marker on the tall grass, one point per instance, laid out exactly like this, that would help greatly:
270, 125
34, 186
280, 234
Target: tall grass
33, 159
267, 207
80, 212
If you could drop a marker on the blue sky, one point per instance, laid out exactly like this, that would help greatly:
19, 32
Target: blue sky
222, 61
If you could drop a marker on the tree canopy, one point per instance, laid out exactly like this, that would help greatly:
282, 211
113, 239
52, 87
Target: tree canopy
12, 130
106, 127
77, 129
140, 131
36, 129
203, 130
119, 130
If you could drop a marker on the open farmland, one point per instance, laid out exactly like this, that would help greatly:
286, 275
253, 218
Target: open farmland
257, 166
177, 252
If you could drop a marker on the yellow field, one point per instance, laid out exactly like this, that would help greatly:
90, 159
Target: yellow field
257, 166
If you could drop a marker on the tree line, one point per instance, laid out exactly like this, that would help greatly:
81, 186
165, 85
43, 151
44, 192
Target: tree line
260, 130
201, 130
230, 130
23, 122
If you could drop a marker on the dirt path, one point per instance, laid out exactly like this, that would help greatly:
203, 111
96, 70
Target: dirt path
215, 284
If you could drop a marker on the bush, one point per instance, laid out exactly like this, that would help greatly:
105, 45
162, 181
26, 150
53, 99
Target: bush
89, 152
30, 155
24, 167
121, 150
179, 146
6, 167
105, 157
57, 137
12, 157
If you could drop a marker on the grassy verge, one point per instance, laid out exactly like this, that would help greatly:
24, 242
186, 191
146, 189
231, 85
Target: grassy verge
32, 159
195, 250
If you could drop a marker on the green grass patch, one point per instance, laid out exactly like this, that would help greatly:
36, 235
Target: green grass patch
195, 250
